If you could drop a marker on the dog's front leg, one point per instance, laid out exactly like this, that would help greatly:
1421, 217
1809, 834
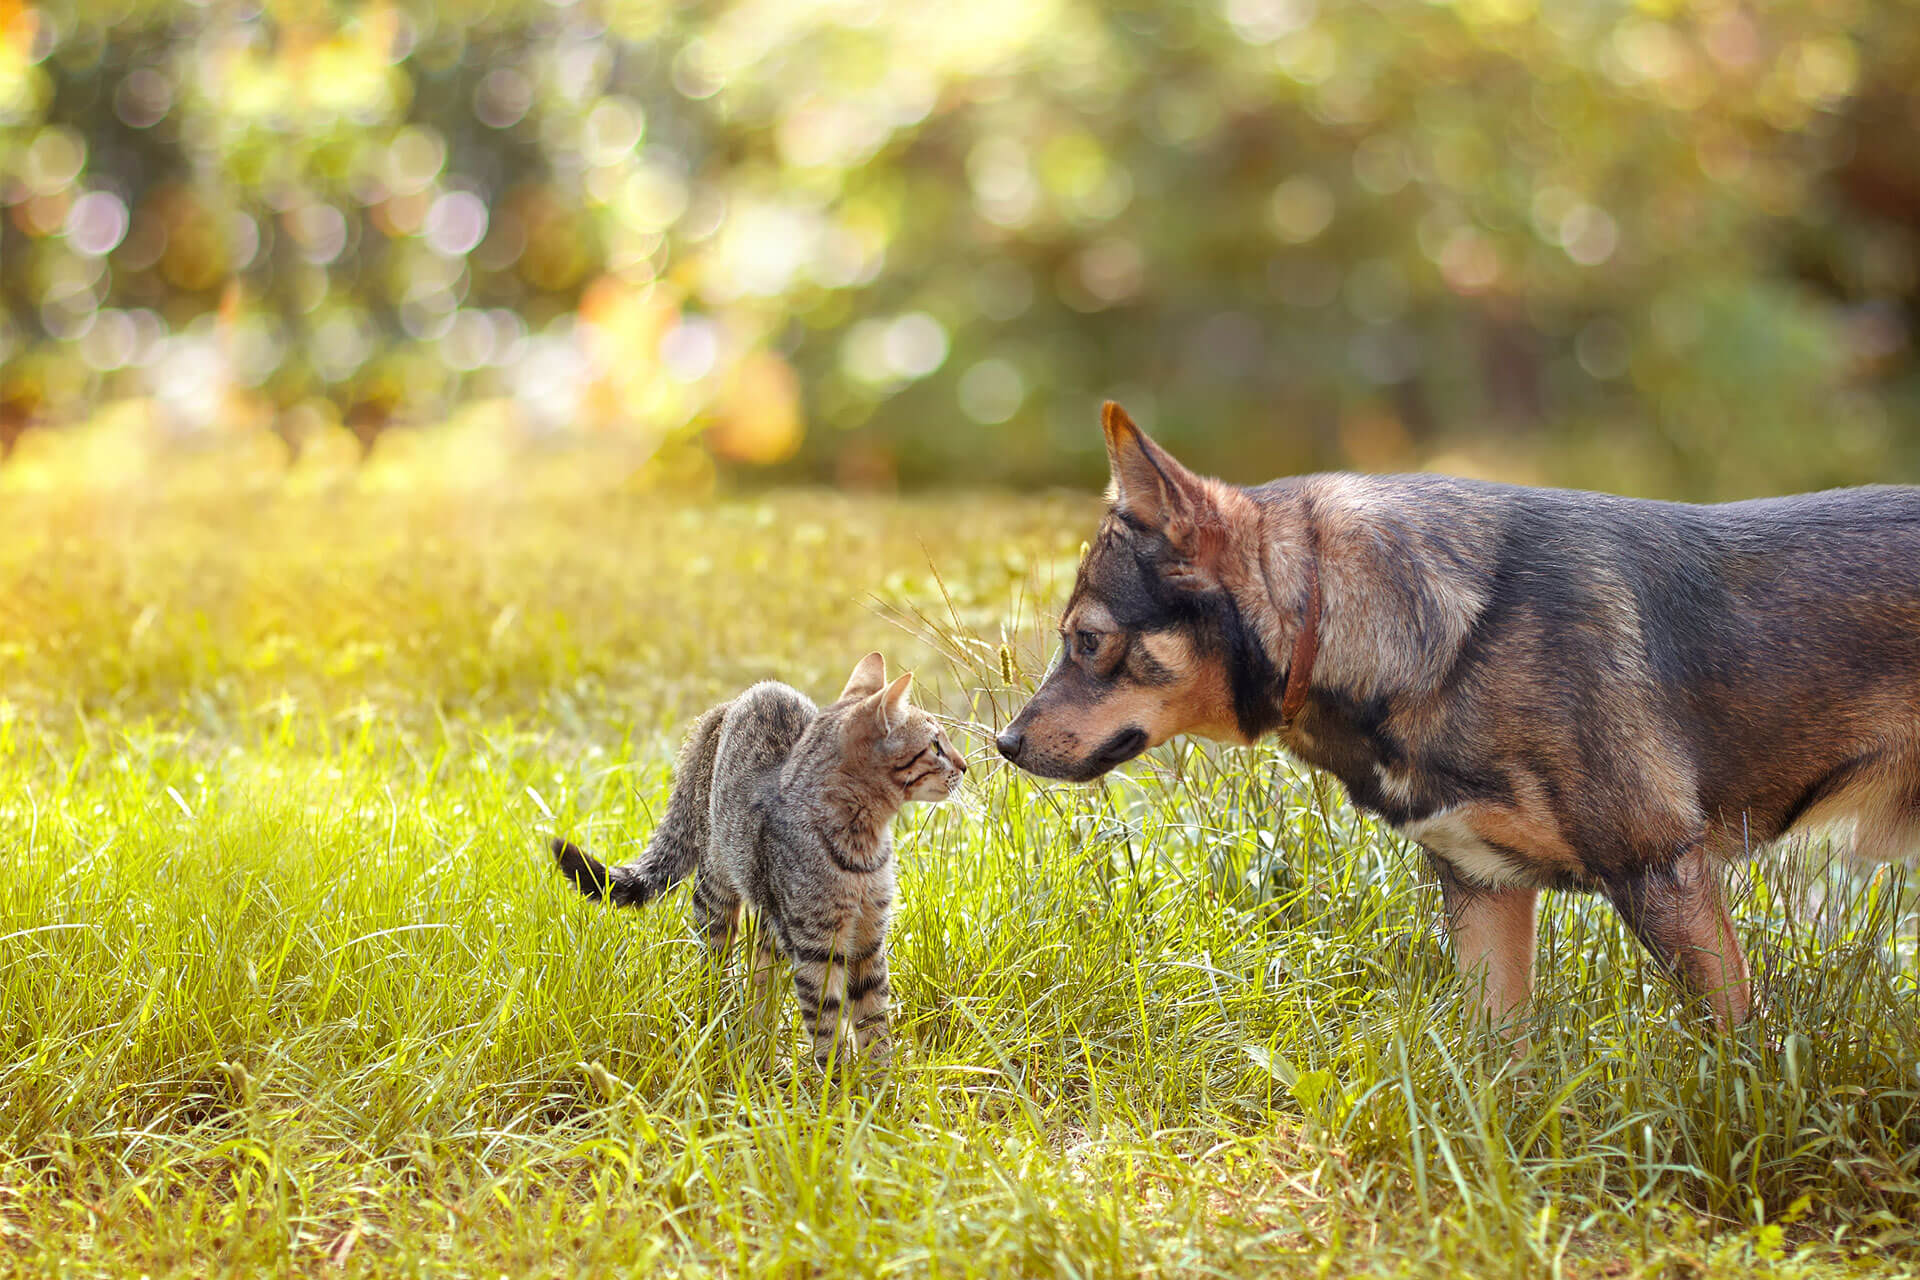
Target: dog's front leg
1492, 933
1679, 913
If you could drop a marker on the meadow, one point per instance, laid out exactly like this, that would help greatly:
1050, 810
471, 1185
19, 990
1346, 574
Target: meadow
288, 986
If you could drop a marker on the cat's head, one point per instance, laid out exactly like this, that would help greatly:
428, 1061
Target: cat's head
897, 739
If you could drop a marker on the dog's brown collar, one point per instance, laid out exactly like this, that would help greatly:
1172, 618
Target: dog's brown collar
1306, 646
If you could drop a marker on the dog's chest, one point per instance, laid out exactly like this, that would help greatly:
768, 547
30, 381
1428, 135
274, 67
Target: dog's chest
1449, 837
1425, 798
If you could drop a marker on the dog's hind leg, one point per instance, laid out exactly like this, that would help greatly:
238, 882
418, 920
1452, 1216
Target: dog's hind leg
1679, 913
1492, 931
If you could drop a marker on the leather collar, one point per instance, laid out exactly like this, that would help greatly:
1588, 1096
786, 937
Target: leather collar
1306, 645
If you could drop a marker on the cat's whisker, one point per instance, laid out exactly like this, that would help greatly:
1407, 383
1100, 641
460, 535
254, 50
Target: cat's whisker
972, 726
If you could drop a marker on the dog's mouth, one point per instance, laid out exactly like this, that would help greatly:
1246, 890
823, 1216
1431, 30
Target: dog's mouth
1120, 748
1116, 750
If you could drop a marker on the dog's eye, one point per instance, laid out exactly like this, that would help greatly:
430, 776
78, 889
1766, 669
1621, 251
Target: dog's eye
1088, 642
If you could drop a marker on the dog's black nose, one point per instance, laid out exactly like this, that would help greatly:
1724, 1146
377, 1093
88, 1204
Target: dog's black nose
1011, 743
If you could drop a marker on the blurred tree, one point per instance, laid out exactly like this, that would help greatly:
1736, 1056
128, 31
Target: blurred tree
1666, 246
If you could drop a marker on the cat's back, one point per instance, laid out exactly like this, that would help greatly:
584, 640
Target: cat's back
758, 733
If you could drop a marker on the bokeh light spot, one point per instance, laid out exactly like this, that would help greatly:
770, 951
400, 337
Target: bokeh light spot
759, 420
53, 161
991, 391
762, 250
1301, 208
468, 342
1004, 188
455, 223
340, 344
502, 98
915, 345
1111, 270
1380, 165
319, 231
415, 159
614, 128
1469, 262
652, 199
863, 353
143, 98
1589, 235
696, 74
110, 343
690, 349
838, 135
1264, 21
96, 223
243, 240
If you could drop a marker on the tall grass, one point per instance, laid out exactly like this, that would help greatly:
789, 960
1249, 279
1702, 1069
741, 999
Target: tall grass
286, 984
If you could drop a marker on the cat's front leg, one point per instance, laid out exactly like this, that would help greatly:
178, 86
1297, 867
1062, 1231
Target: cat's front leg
867, 1006
820, 985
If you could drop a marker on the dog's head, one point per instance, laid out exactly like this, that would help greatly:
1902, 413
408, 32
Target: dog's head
1152, 643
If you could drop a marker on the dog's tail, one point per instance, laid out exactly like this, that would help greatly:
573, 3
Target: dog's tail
678, 842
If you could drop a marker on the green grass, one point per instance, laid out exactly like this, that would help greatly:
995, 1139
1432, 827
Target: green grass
286, 984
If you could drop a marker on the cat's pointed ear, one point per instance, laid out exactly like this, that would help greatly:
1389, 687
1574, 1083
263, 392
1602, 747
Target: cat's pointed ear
868, 678
1149, 486
891, 703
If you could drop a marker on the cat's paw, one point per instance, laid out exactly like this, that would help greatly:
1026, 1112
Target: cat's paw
842, 1058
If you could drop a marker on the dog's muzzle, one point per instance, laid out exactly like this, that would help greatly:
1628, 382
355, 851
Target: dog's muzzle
1120, 748
1117, 750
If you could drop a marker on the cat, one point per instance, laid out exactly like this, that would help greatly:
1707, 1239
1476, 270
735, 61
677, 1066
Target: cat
784, 807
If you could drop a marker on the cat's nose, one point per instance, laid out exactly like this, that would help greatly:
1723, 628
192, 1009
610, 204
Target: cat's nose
1011, 744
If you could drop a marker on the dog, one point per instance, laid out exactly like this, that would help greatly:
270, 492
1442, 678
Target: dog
1542, 688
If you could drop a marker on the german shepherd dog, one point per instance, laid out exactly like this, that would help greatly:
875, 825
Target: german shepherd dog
1544, 689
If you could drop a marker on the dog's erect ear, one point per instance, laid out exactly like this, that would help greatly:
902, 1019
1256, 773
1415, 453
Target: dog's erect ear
1149, 485
891, 703
1151, 488
868, 678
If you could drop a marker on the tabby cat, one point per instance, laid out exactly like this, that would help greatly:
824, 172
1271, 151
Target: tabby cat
784, 807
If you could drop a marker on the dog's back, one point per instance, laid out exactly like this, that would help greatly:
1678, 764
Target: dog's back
1763, 656
1803, 688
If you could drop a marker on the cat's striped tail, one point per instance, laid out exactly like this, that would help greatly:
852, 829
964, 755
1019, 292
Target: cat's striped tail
678, 842
628, 886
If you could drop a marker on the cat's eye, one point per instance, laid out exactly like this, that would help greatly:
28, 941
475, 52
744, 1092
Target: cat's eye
1087, 642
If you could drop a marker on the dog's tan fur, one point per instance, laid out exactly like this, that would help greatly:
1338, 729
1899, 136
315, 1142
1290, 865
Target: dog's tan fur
1544, 689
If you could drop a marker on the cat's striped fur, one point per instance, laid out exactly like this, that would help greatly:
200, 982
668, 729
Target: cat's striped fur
783, 807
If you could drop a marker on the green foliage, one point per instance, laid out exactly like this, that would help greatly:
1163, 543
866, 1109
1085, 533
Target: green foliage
286, 981
1671, 247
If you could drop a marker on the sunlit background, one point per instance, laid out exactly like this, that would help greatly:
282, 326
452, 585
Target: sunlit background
1664, 247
